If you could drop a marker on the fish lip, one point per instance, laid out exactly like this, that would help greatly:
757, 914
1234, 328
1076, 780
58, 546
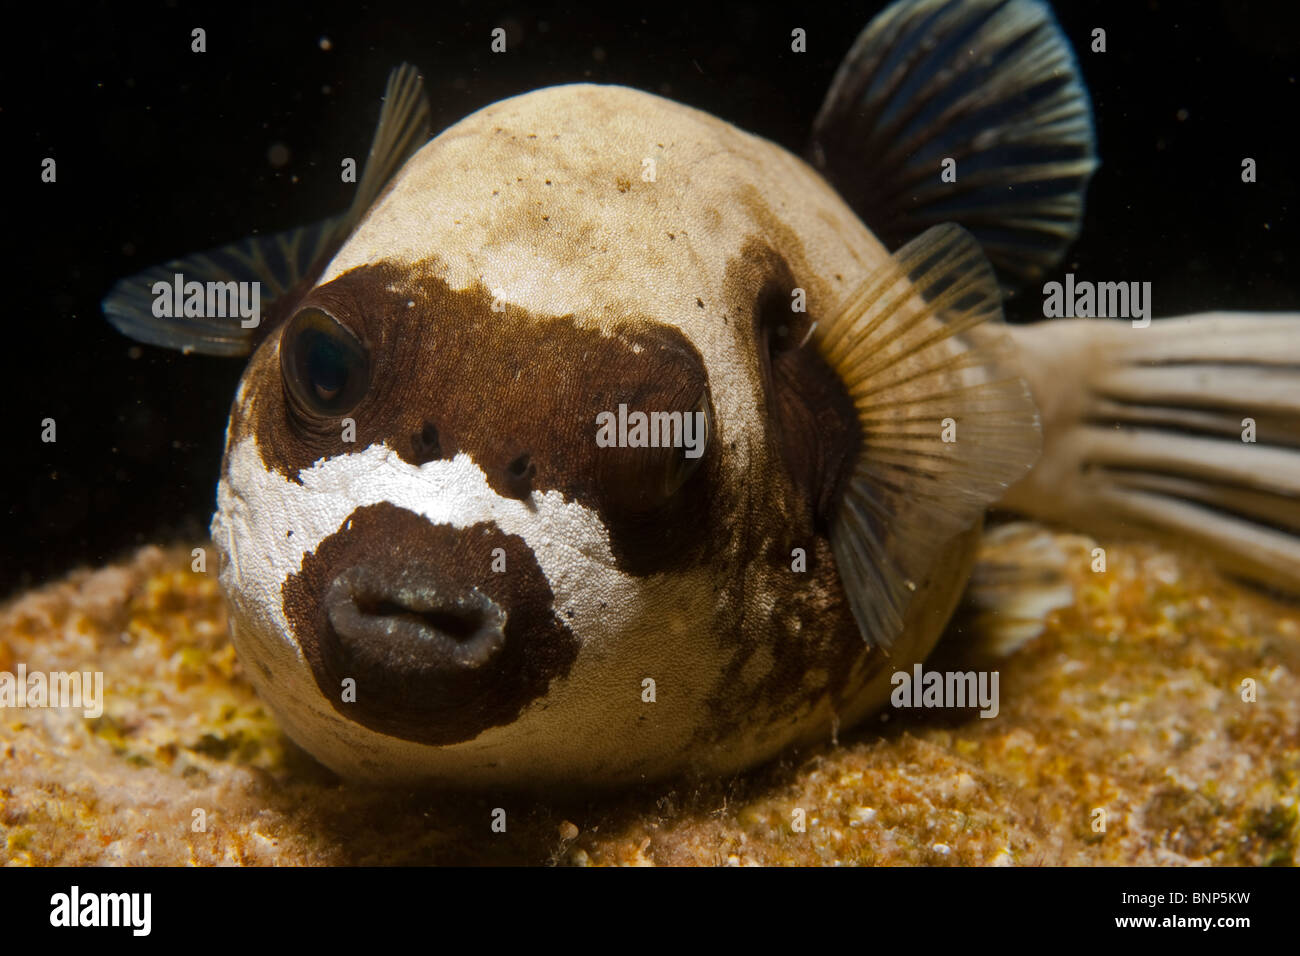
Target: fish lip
407, 678
416, 625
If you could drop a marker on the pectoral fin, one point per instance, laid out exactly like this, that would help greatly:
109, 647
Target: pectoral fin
285, 264
946, 423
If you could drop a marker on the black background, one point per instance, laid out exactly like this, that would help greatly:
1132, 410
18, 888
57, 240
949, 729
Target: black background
951, 905
162, 151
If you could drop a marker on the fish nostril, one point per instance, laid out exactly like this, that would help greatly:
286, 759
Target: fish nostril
426, 444
519, 475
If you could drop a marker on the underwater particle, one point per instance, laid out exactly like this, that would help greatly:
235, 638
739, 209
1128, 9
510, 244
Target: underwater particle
278, 155
326, 43
568, 831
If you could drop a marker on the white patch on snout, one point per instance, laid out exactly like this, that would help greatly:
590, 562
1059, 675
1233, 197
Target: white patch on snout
257, 508
592, 722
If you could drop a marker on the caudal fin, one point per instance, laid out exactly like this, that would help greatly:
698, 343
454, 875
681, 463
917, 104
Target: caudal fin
1187, 430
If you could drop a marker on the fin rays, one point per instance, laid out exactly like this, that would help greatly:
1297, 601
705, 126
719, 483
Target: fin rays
403, 128
282, 262
913, 346
991, 84
1020, 577
1147, 430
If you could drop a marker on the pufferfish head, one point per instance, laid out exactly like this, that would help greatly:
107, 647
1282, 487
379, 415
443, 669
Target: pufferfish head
440, 570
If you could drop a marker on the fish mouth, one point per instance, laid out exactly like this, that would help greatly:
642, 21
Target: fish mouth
418, 627
408, 632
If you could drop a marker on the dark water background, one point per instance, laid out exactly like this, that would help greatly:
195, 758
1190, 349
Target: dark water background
161, 151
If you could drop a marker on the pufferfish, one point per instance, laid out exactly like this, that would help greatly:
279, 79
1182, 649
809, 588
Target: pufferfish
441, 571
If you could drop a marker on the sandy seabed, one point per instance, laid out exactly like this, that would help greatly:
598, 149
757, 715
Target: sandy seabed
1130, 703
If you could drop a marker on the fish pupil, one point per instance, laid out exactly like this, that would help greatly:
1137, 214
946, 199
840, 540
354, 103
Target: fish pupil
327, 367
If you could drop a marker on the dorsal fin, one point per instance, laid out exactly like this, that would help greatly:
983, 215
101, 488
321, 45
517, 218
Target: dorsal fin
990, 84
947, 425
286, 263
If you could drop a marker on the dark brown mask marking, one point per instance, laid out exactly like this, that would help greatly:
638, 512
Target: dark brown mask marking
519, 393
813, 418
441, 648
814, 437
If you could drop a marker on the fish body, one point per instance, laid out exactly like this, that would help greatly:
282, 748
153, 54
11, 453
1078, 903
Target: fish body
608, 290
441, 569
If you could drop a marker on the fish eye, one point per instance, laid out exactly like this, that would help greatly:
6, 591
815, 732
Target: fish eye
680, 466
325, 367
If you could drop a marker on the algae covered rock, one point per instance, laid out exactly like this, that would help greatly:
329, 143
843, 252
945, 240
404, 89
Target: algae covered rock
1155, 721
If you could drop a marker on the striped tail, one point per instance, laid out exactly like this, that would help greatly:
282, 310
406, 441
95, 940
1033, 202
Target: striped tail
1187, 430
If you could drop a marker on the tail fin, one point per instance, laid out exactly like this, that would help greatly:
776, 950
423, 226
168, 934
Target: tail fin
1187, 430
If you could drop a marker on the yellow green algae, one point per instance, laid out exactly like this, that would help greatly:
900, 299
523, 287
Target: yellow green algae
1130, 703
